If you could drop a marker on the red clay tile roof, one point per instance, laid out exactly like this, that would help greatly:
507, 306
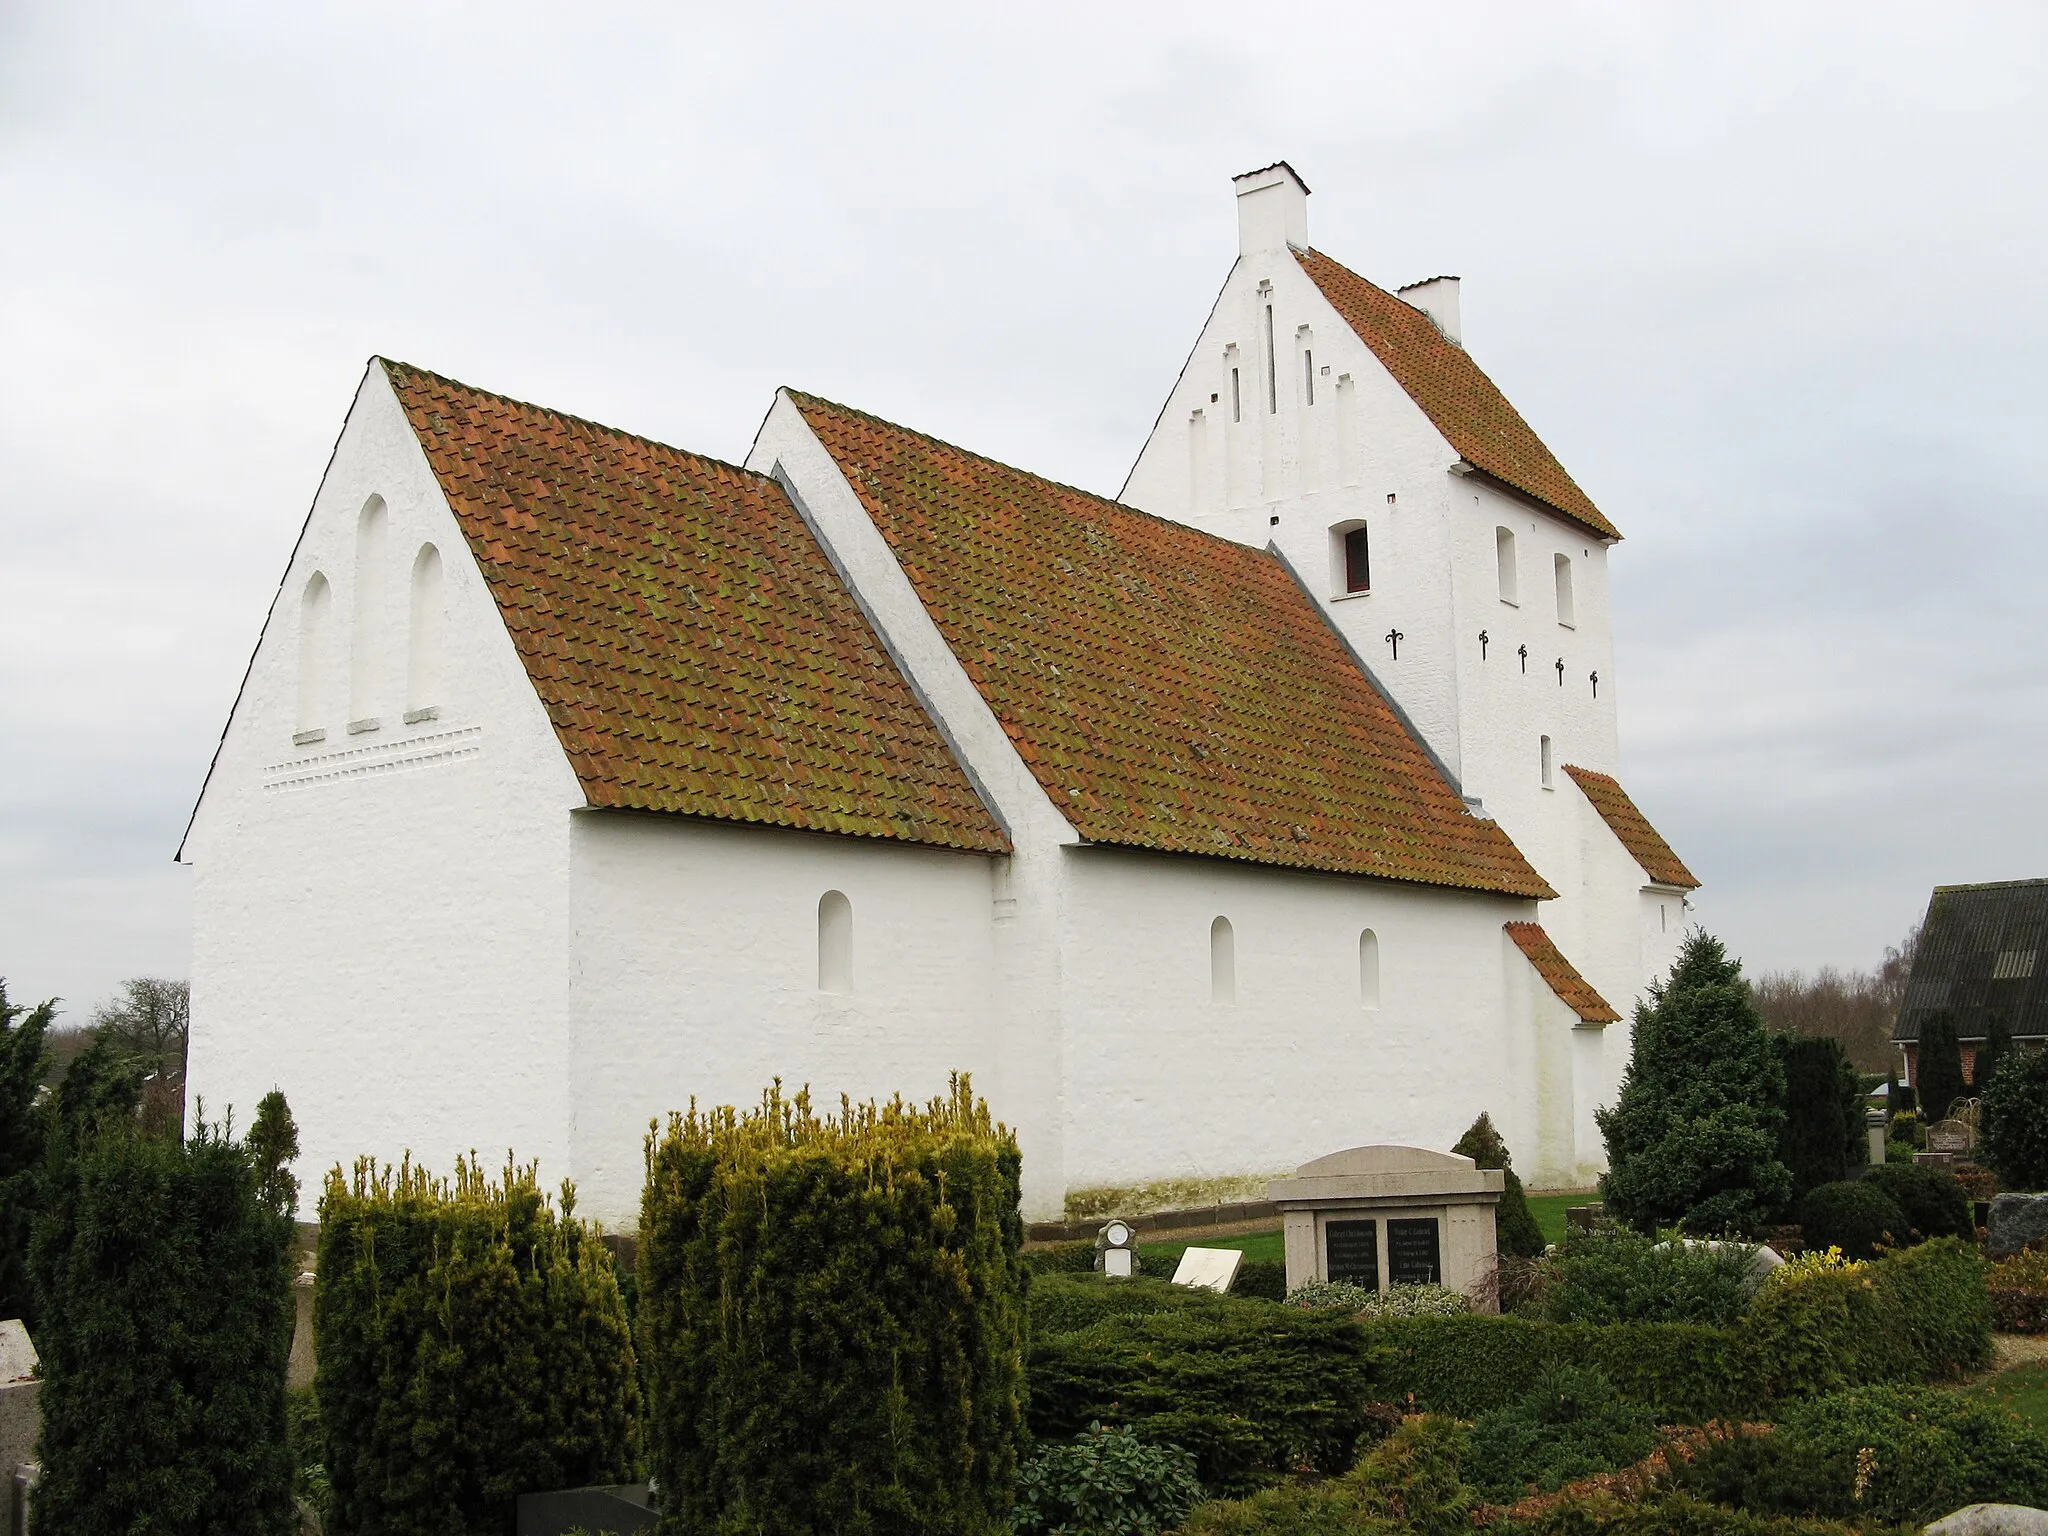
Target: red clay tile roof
1440, 376
1633, 828
689, 639
1560, 975
1169, 689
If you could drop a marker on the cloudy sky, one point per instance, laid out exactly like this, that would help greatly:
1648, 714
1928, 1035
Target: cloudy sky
1769, 279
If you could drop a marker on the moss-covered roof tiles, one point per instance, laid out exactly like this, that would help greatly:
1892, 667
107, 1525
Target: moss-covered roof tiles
1453, 391
1169, 689
1560, 975
1641, 839
690, 641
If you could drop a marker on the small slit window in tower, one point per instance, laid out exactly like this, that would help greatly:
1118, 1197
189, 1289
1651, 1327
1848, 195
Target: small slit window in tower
1368, 969
1357, 560
1236, 397
1543, 752
423, 651
1272, 377
1222, 962
1308, 375
835, 943
1567, 613
316, 635
1504, 563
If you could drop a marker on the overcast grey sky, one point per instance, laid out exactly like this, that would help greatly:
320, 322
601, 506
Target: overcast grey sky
1769, 280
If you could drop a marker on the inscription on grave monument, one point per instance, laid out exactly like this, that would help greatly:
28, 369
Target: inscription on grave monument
1414, 1256
1352, 1252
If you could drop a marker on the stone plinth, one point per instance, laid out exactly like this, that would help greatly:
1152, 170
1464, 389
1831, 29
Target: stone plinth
21, 1416
1380, 1216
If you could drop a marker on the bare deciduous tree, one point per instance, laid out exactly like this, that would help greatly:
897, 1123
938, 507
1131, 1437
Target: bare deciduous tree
1857, 1008
150, 1022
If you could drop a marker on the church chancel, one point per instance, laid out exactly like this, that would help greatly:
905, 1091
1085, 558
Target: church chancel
1381, 1216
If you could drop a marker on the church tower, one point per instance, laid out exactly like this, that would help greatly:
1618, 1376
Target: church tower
1348, 427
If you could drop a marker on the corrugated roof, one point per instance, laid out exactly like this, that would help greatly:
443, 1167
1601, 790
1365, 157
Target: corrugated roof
1983, 951
1169, 689
1641, 839
694, 649
1560, 975
1453, 391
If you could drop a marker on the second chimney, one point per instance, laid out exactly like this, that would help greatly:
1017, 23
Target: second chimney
1437, 297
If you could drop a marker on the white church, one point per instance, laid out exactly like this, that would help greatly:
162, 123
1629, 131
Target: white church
1268, 808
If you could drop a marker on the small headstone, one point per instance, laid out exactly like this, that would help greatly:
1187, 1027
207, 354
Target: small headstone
1584, 1218
2016, 1220
1992, 1520
1210, 1269
1957, 1137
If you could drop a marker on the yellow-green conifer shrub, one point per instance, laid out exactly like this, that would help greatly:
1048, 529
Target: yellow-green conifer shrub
472, 1347
831, 1317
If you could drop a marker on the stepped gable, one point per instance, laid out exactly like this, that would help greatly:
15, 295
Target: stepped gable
1169, 689
1641, 839
1453, 391
693, 647
1560, 975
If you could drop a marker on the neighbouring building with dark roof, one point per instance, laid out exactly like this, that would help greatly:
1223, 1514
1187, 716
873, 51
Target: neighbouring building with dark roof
1269, 807
1982, 954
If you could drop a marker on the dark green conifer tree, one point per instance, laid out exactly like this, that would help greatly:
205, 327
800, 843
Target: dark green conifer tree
1822, 1141
1515, 1231
1938, 1067
22, 1058
1997, 1044
1693, 1136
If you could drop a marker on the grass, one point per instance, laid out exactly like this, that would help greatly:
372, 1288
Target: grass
2022, 1388
1255, 1245
1549, 1209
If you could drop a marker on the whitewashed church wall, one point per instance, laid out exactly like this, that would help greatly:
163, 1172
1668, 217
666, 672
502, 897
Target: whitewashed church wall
695, 972
381, 915
1165, 1082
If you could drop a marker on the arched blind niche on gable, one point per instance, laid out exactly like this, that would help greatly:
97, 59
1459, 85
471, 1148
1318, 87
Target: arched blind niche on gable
835, 943
1222, 962
316, 648
366, 632
1504, 564
1368, 969
425, 638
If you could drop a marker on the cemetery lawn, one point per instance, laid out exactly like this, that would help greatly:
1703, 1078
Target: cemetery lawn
1255, 1245
2022, 1388
1549, 1209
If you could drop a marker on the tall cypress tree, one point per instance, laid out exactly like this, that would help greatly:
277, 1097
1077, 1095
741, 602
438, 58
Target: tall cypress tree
1938, 1066
1823, 1138
1997, 1045
22, 1057
1693, 1136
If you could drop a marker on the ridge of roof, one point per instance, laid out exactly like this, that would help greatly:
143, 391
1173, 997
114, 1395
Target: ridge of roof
1643, 842
692, 646
1440, 376
1560, 975
1168, 689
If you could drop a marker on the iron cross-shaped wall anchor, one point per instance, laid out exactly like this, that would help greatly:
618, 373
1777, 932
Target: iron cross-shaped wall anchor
1523, 652
1596, 685
1560, 671
1394, 638
1482, 645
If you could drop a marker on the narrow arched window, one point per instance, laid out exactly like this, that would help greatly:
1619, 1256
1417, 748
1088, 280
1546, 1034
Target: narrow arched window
316, 644
1222, 962
1543, 761
366, 632
1368, 969
423, 636
1567, 612
1504, 563
835, 943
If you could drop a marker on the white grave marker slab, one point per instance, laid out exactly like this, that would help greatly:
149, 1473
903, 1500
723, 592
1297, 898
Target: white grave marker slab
1211, 1269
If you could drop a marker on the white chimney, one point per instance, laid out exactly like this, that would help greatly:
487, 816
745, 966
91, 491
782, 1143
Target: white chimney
1437, 297
1272, 209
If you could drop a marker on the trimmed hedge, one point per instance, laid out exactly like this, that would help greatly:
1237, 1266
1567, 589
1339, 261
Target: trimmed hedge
166, 1321
831, 1315
1256, 1391
472, 1346
1933, 1200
